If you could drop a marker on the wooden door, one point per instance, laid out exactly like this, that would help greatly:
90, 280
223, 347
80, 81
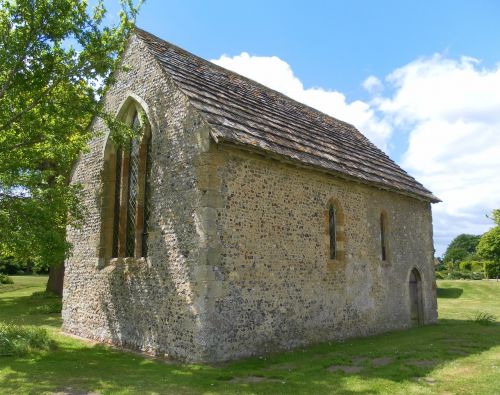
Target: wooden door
415, 298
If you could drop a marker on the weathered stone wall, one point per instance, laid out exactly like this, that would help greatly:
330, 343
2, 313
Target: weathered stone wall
274, 286
151, 304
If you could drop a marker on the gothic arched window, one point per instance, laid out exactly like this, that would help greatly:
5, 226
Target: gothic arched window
131, 193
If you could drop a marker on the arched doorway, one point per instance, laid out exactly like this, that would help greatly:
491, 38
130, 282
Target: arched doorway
416, 310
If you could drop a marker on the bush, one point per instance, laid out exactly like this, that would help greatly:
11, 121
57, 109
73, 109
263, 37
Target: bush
471, 266
42, 295
4, 279
477, 276
9, 266
456, 275
21, 340
465, 266
440, 275
477, 266
462, 275
48, 308
484, 318
491, 269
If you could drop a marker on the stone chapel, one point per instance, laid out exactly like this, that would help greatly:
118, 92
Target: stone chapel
239, 221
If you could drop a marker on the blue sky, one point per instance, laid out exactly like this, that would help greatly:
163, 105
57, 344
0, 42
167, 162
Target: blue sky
332, 44
419, 78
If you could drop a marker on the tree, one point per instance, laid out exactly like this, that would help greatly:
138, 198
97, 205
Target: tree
495, 216
489, 245
56, 58
460, 248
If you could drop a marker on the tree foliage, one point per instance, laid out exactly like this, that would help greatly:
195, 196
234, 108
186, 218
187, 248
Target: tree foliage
489, 245
495, 216
460, 248
56, 58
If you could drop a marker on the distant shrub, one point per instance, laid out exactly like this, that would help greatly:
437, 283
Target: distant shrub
48, 308
52, 303
462, 275
477, 276
471, 266
456, 275
39, 295
465, 266
8, 266
477, 266
4, 279
21, 340
491, 269
484, 318
440, 275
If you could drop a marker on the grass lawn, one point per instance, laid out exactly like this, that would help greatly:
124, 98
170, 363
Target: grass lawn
457, 356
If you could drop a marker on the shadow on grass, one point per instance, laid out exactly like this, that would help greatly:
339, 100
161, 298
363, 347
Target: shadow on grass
21, 310
449, 293
406, 355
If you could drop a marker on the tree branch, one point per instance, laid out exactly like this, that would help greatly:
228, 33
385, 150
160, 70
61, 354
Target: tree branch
33, 104
39, 139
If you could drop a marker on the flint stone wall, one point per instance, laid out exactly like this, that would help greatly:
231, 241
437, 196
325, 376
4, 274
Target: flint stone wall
275, 286
238, 258
147, 304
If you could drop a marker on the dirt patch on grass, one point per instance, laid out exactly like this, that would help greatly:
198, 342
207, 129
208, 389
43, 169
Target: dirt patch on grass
383, 361
288, 366
463, 371
345, 368
332, 354
422, 363
73, 391
253, 380
358, 360
456, 351
427, 380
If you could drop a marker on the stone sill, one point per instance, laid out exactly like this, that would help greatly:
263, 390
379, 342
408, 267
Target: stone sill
124, 262
128, 261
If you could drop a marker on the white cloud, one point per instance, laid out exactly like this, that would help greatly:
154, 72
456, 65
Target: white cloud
450, 110
278, 75
372, 84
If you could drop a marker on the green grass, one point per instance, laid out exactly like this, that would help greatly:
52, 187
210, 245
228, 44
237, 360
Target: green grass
20, 340
457, 356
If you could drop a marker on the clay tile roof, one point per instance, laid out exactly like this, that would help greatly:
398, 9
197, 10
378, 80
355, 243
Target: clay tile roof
242, 111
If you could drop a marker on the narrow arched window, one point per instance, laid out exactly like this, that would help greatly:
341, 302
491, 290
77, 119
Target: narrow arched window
131, 196
335, 229
383, 236
332, 226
